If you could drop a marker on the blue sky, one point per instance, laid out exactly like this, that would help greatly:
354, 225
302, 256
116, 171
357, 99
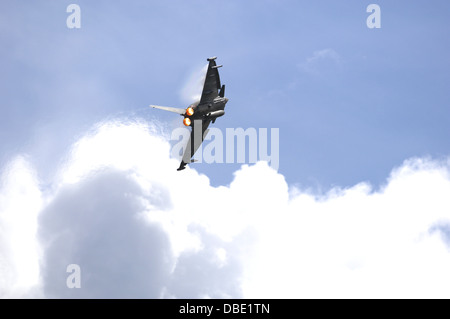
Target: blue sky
86, 177
372, 99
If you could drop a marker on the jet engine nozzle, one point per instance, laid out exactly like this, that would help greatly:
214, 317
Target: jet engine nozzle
189, 111
187, 121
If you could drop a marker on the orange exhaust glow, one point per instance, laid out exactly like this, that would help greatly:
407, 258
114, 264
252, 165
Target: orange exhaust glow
187, 121
189, 111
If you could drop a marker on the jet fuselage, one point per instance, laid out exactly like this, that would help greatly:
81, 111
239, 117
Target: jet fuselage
211, 110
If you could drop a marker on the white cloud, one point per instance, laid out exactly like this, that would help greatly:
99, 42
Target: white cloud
359, 243
321, 61
20, 202
138, 228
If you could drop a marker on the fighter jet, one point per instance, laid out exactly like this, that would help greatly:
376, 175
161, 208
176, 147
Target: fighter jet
201, 113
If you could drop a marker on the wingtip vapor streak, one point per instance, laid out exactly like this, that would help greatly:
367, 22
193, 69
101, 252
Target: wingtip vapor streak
201, 113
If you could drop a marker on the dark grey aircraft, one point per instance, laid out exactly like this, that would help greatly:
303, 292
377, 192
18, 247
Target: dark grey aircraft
200, 114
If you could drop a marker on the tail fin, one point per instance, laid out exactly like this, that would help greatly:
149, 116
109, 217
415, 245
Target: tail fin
222, 91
